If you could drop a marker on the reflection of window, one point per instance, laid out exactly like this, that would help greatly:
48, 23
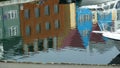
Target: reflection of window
82, 18
57, 24
56, 9
37, 12
93, 15
85, 32
27, 13
28, 30
38, 29
118, 16
12, 14
47, 25
47, 10
88, 16
12, 31
111, 6
118, 26
1, 33
118, 5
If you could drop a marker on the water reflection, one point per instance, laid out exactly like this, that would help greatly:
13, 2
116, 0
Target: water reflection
98, 53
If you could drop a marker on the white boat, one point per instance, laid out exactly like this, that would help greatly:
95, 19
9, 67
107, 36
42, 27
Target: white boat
112, 35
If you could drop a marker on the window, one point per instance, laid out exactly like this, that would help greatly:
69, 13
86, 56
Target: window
56, 9
28, 30
47, 10
47, 25
37, 12
38, 29
118, 5
57, 24
12, 31
27, 13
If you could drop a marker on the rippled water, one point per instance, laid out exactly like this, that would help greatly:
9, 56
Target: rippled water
97, 53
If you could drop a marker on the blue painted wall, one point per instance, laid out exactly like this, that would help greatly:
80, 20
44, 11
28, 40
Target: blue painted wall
84, 24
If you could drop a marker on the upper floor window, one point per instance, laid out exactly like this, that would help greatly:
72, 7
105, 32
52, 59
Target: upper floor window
57, 24
47, 10
37, 12
38, 28
56, 9
27, 13
28, 30
47, 25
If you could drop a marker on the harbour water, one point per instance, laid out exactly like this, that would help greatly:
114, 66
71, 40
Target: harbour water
95, 53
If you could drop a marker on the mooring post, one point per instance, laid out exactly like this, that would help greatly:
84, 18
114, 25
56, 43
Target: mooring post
26, 50
54, 42
45, 44
35, 44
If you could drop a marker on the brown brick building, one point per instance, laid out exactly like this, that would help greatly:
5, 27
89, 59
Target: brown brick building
44, 20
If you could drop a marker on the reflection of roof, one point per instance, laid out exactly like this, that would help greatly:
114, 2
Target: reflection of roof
116, 60
73, 39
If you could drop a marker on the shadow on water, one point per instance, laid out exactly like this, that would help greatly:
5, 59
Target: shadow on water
95, 53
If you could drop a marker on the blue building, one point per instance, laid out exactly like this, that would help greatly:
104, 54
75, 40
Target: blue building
84, 24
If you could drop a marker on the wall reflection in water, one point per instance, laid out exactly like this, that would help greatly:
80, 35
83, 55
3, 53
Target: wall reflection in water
95, 53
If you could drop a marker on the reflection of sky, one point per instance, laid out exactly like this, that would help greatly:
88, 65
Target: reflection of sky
74, 55
89, 2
